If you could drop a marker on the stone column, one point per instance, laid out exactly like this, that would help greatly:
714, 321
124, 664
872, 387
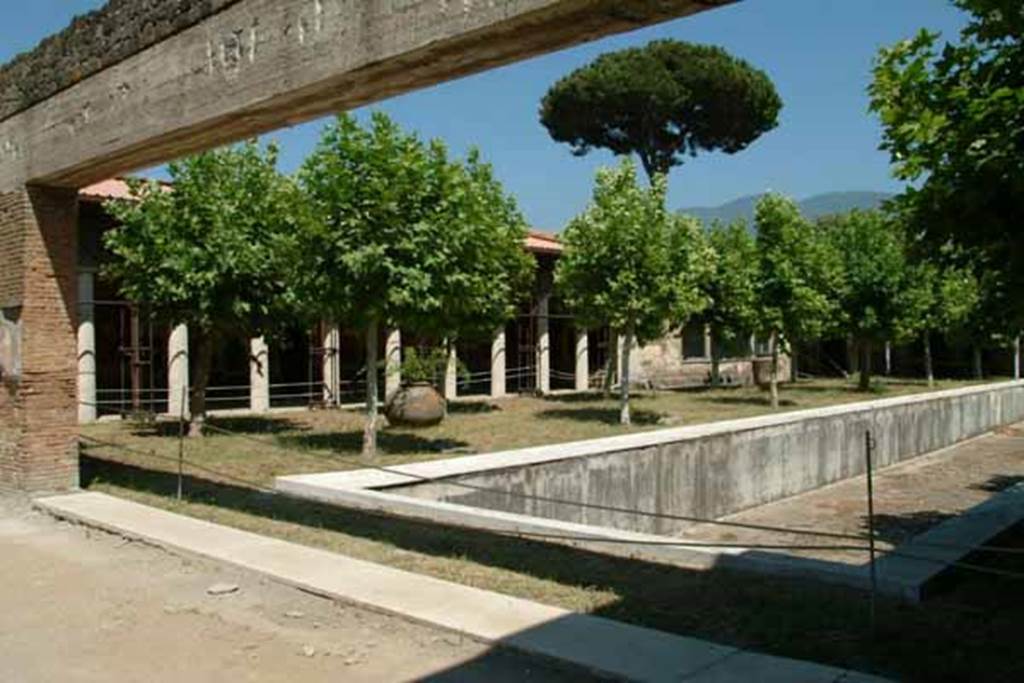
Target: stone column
39, 369
259, 375
1016, 357
543, 345
87, 409
332, 365
582, 360
392, 363
178, 372
451, 374
498, 364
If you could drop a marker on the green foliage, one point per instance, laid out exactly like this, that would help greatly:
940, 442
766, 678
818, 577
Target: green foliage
404, 235
799, 273
953, 119
876, 275
210, 252
428, 364
939, 297
731, 285
628, 262
662, 102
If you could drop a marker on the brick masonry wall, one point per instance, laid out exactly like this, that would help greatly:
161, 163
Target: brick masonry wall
93, 42
38, 410
12, 252
662, 364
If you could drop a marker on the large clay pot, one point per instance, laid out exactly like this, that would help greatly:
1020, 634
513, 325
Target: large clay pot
416, 405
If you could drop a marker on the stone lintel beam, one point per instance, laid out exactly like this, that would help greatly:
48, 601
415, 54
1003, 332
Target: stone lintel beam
258, 65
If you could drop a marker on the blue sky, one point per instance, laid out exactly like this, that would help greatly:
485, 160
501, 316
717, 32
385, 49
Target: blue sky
818, 52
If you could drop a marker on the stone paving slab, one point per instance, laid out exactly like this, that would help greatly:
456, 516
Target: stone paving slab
596, 644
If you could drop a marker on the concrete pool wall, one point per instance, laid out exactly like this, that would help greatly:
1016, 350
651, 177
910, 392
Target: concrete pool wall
555, 493
736, 466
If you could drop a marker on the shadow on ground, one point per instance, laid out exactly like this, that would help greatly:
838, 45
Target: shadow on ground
608, 416
791, 618
351, 442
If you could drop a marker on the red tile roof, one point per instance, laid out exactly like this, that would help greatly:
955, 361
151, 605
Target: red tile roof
537, 241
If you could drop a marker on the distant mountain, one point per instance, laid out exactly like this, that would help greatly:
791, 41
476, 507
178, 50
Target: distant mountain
812, 207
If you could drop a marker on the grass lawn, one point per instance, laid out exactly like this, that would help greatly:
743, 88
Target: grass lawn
968, 633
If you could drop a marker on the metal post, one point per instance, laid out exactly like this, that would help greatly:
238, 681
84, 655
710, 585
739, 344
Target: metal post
869, 445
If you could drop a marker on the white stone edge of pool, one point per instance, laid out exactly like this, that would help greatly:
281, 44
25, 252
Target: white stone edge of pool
897, 576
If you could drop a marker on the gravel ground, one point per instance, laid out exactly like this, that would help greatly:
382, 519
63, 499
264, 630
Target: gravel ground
82, 605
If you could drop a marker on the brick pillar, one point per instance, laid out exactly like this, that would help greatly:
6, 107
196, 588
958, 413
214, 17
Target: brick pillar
392, 363
87, 409
582, 360
259, 375
498, 364
38, 400
177, 372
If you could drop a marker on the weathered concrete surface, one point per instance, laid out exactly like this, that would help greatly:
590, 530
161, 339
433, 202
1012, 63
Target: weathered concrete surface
258, 65
723, 472
600, 645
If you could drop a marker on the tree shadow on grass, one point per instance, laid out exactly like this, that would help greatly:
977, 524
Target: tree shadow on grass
388, 442
788, 617
608, 416
764, 401
472, 408
242, 424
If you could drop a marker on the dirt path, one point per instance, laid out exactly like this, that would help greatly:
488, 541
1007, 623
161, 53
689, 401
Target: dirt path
79, 605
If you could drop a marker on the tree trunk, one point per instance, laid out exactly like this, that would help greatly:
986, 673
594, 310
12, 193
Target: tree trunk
865, 365
609, 368
370, 429
888, 359
627, 345
1016, 357
929, 370
716, 360
773, 342
979, 372
852, 361
204, 362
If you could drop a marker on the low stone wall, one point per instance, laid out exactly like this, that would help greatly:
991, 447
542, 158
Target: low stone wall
725, 468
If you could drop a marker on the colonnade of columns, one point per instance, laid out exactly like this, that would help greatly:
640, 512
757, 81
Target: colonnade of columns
178, 379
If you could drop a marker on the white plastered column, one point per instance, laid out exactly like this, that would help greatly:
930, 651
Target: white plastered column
392, 363
259, 375
498, 364
332, 365
87, 409
582, 360
177, 372
543, 345
451, 374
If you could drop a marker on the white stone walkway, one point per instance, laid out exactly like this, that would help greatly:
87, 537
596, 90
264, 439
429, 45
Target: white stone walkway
600, 645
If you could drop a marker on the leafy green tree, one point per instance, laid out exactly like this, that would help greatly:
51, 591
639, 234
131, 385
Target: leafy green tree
401, 235
797, 279
953, 120
730, 289
630, 264
662, 102
989, 323
939, 297
876, 279
208, 252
